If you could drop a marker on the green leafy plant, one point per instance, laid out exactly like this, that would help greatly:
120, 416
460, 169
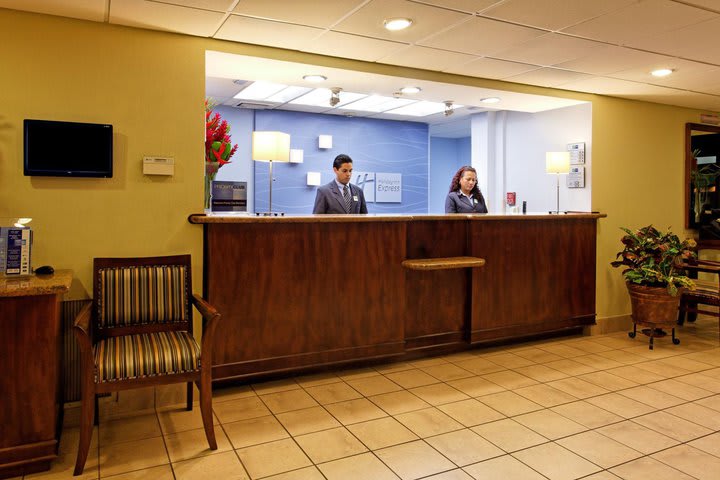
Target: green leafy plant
653, 258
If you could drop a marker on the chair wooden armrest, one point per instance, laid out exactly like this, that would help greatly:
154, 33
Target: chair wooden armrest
210, 319
82, 328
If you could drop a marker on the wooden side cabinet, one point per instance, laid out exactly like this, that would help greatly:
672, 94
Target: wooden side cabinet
30, 380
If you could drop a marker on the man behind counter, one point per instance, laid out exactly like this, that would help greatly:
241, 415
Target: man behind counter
339, 196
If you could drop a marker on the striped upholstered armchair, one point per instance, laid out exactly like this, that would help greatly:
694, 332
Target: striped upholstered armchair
138, 332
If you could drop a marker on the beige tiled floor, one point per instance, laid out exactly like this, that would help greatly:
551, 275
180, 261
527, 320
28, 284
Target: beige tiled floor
598, 408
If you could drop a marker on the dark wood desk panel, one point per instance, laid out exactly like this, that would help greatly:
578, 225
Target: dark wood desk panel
30, 390
282, 282
437, 302
300, 294
539, 276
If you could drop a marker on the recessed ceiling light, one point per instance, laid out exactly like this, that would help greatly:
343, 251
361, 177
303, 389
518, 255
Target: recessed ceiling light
315, 78
259, 90
410, 90
395, 24
661, 72
490, 100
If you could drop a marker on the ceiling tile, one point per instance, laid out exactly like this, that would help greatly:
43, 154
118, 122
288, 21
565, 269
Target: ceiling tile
215, 5
492, 68
622, 26
315, 13
688, 75
221, 87
161, 16
265, 32
427, 58
696, 42
711, 4
469, 6
687, 99
481, 36
368, 20
549, 49
613, 87
93, 10
553, 14
351, 46
609, 59
547, 77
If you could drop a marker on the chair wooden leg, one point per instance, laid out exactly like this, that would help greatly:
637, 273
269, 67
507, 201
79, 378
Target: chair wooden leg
206, 409
87, 415
189, 395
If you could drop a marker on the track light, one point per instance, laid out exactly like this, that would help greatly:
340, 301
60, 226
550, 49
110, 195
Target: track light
448, 108
335, 96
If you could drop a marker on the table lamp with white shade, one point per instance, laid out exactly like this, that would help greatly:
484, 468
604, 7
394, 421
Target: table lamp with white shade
270, 147
557, 163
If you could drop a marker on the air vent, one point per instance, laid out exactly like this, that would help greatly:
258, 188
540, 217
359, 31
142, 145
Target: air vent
254, 105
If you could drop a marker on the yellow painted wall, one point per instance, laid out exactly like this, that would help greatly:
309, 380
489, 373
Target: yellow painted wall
150, 86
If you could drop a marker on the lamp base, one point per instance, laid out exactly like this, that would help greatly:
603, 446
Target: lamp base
269, 214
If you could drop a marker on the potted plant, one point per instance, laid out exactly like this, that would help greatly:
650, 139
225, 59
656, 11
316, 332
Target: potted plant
654, 277
218, 148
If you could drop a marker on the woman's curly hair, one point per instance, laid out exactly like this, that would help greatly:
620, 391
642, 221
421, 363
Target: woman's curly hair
455, 183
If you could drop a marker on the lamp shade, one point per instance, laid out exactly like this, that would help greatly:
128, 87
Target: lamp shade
270, 147
557, 162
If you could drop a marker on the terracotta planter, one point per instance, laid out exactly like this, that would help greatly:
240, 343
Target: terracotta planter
654, 308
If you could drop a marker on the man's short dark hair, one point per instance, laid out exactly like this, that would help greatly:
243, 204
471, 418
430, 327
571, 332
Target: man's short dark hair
340, 159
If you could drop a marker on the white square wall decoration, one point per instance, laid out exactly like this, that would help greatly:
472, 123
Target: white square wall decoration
313, 178
325, 141
296, 155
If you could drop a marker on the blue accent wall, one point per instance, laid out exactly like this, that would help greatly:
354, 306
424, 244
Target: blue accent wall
448, 155
375, 145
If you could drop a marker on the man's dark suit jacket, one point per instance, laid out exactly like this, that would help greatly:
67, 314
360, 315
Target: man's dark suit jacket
329, 199
459, 203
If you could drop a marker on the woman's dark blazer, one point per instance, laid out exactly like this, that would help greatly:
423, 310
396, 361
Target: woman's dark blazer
459, 203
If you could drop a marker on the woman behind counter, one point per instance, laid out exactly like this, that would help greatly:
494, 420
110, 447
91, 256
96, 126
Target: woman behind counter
464, 195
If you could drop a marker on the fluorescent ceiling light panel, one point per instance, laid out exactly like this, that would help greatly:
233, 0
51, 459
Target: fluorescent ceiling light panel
421, 109
377, 103
259, 90
320, 97
287, 94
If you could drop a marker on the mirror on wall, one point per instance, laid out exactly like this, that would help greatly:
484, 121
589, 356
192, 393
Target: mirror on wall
702, 179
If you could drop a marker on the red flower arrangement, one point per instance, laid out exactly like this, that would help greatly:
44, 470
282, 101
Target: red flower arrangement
218, 148
217, 138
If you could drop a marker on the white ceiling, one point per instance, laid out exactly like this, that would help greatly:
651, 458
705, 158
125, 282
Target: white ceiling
597, 46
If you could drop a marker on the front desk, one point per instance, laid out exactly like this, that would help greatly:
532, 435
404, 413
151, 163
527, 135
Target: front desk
304, 292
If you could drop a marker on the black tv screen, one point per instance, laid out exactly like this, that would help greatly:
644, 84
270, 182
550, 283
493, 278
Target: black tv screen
68, 149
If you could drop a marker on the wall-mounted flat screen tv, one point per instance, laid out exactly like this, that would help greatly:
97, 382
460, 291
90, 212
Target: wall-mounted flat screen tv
68, 149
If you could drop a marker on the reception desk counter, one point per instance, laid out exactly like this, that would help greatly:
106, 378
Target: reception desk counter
303, 292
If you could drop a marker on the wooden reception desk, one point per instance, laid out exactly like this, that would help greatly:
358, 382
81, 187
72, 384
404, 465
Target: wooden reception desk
303, 292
